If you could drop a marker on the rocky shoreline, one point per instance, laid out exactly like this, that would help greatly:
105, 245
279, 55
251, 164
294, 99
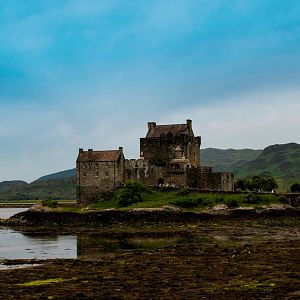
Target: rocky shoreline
142, 216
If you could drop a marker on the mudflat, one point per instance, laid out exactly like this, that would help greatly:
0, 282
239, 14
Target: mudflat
248, 258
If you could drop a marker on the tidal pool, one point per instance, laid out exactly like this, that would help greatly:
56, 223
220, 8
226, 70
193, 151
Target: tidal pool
18, 245
30, 245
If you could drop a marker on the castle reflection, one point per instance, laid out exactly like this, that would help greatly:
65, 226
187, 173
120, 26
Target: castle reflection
95, 246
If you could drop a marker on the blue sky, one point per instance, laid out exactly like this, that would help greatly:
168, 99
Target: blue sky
90, 74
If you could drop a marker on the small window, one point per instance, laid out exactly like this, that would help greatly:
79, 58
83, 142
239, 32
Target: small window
84, 174
96, 175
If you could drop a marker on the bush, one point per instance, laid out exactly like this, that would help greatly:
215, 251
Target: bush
253, 199
49, 203
131, 193
295, 188
232, 203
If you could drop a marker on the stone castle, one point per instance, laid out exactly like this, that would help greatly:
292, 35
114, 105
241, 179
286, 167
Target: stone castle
169, 156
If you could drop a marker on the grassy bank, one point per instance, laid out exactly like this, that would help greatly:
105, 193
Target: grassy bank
137, 196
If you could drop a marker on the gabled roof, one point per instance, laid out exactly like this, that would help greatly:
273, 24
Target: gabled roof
100, 156
175, 129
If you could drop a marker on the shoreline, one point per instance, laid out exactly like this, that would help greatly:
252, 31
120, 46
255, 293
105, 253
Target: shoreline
142, 216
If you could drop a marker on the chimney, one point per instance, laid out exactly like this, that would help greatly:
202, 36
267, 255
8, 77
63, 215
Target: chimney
80, 150
189, 123
121, 149
90, 150
151, 125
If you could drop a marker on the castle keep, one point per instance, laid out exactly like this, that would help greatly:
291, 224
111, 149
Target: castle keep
169, 156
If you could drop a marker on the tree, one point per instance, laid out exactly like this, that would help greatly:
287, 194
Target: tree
240, 185
131, 193
257, 183
295, 188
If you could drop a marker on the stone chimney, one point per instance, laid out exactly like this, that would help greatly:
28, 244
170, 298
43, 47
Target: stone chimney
90, 150
189, 123
121, 149
151, 125
80, 150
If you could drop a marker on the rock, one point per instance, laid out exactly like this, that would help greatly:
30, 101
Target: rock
220, 207
164, 208
39, 208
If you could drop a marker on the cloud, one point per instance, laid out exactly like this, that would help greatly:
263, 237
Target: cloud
246, 121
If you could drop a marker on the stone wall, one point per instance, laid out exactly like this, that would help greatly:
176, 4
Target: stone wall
96, 178
209, 181
160, 151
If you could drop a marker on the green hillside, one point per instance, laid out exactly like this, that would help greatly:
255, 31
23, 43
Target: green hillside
59, 175
281, 161
49, 189
228, 160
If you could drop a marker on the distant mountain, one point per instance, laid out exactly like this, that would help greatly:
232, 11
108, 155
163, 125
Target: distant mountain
228, 160
59, 175
5, 185
48, 189
282, 161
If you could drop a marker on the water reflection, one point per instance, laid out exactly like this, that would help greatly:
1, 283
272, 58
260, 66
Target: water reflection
18, 245
94, 246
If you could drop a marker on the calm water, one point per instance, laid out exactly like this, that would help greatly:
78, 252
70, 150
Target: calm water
17, 245
20, 245
8, 212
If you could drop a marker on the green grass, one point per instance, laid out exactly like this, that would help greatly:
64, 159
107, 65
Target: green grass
188, 200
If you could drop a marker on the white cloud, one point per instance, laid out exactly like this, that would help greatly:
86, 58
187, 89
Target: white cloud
248, 121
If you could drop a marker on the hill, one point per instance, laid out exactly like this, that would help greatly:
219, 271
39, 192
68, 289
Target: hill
281, 161
58, 175
48, 189
6, 185
228, 160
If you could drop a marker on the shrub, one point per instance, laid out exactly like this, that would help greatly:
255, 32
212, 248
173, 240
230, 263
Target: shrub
232, 203
131, 193
253, 199
295, 188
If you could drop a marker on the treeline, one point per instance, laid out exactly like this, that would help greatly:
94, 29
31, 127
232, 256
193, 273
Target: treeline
261, 183
257, 183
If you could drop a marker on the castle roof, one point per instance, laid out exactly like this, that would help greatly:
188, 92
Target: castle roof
108, 155
176, 129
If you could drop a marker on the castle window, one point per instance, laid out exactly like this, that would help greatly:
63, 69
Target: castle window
96, 165
106, 174
84, 174
96, 175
